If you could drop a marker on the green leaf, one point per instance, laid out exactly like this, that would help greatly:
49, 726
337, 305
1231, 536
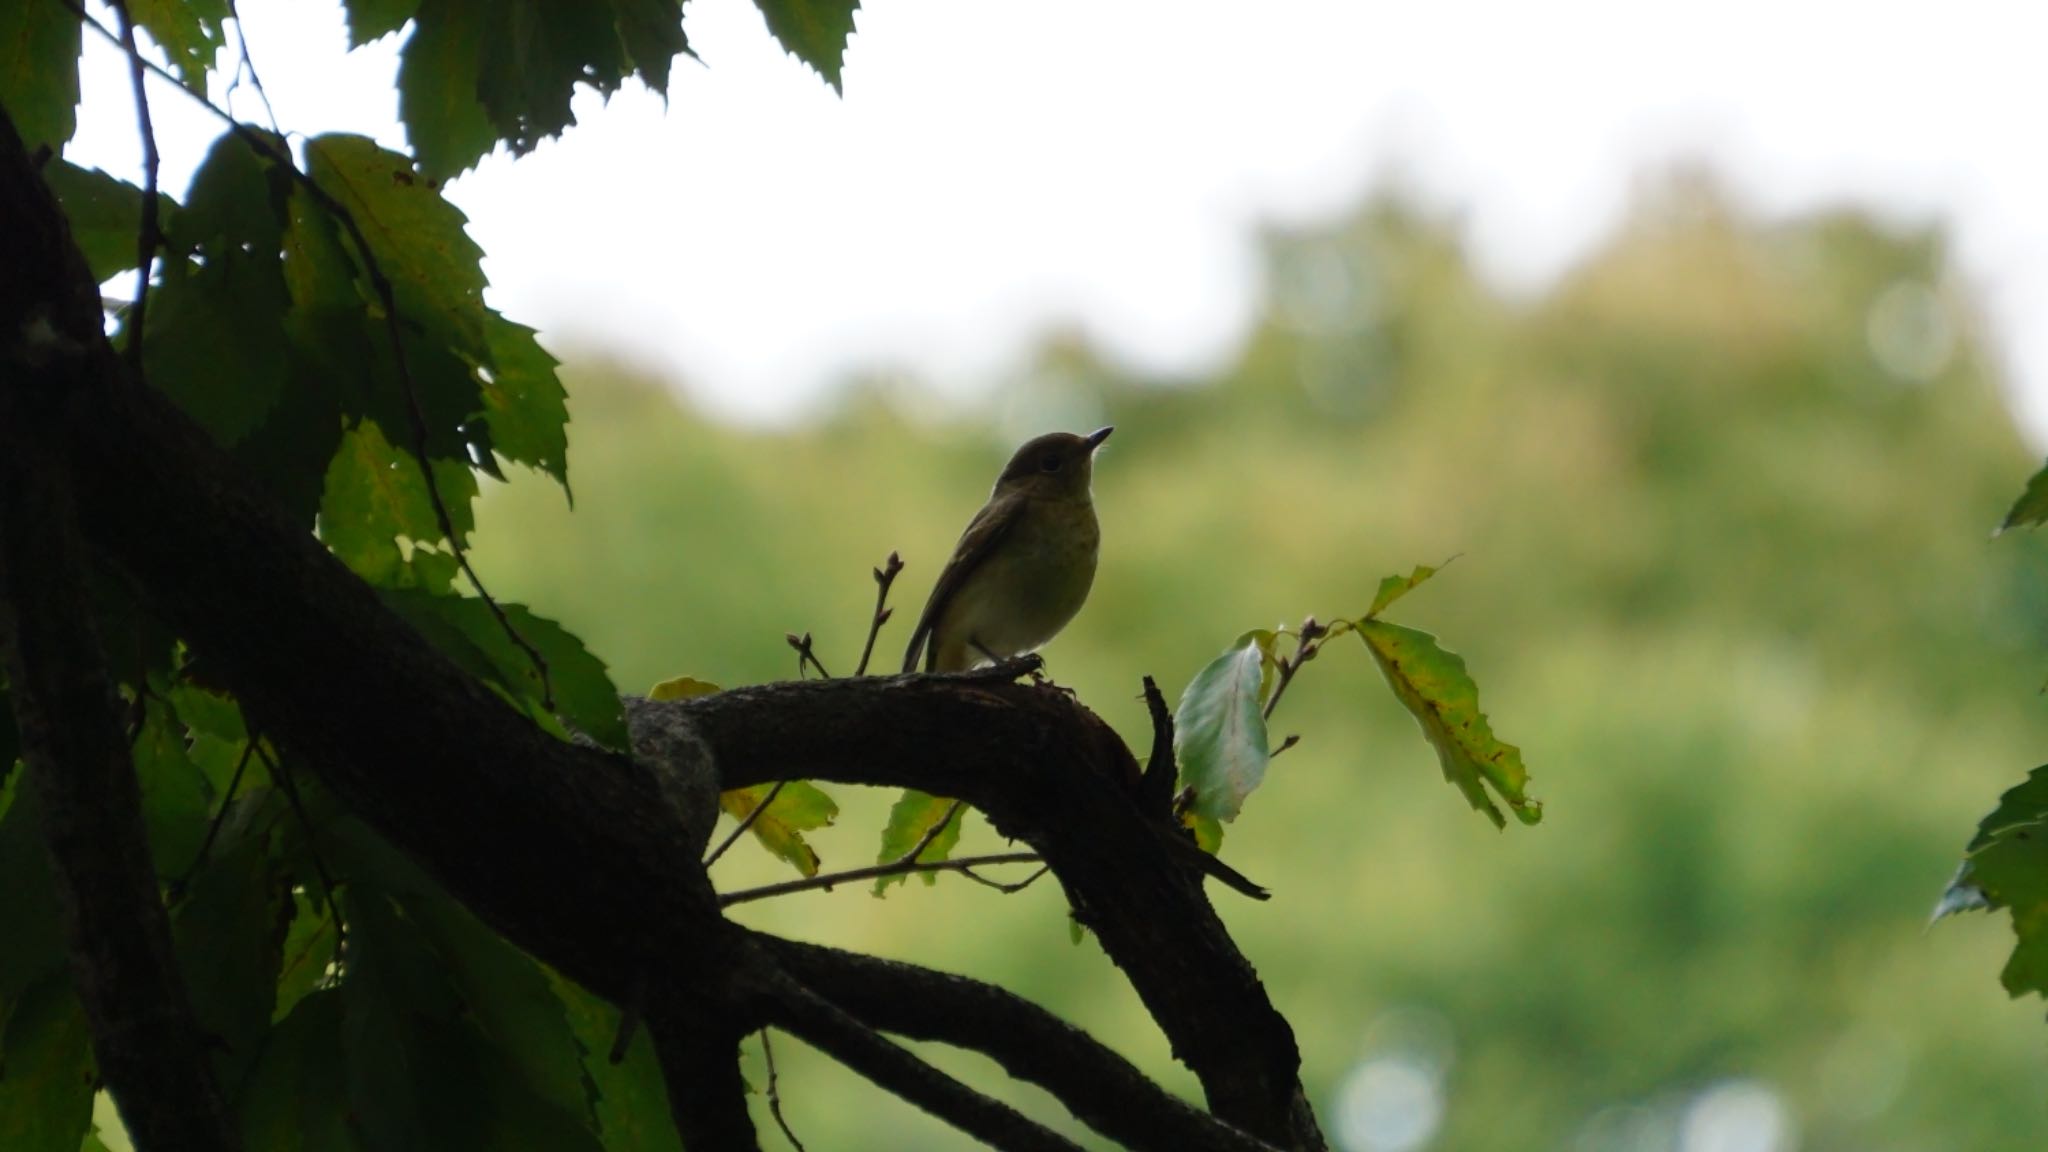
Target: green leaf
631, 1098
534, 54
2007, 867
206, 712
584, 696
39, 46
1268, 641
524, 402
189, 31
46, 1093
914, 815
798, 808
652, 31
1219, 733
307, 952
416, 236
104, 212
813, 31
229, 940
376, 494
509, 999
1392, 588
1434, 686
394, 991
296, 1098
215, 340
32, 946
370, 19
2031, 507
444, 119
174, 793
420, 1073
681, 688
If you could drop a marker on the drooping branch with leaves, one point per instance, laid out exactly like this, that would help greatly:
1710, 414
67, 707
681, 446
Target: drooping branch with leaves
319, 843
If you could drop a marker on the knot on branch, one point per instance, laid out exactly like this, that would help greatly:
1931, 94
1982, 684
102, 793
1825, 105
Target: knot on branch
668, 745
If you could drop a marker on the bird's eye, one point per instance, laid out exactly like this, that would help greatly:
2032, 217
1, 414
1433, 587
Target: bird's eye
1050, 462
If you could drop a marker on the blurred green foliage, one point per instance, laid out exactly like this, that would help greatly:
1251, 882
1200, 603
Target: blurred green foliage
1724, 575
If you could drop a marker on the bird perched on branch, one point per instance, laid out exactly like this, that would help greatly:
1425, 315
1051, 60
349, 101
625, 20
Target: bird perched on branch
1023, 567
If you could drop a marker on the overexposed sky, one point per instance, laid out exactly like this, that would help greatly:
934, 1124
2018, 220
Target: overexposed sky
998, 167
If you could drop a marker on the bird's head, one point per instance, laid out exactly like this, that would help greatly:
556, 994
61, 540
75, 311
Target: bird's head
1057, 465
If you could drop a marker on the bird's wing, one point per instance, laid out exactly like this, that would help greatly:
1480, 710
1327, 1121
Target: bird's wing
988, 527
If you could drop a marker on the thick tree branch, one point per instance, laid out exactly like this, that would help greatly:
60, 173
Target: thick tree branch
588, 860
831, 1030
1045, 770
148, 1045
1104, 1090
700, 1066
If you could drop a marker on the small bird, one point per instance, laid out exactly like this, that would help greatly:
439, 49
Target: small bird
1023, 567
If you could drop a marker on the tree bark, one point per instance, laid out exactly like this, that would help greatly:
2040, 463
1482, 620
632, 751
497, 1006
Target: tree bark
145, 1039
586, 858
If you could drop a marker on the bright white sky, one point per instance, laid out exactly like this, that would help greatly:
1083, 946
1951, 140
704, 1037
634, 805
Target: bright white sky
997, 167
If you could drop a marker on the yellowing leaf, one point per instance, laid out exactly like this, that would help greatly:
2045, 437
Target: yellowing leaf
1220, 734
798, 808
1392, 588
1434, 686
683, 688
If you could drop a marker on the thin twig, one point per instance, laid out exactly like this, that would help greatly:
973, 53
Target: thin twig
148, 237
1291, 741
897, 867
804, 655
248, 64
967, 867
213, 827
884, 576
387, 297
775, 1095
1306, 645
290, 789
746, 823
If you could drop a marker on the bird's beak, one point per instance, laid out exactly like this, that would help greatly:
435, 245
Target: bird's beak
1096, 437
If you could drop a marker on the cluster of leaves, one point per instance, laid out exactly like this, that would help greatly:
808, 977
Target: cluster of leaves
1221, 740
319, 309
2006, 862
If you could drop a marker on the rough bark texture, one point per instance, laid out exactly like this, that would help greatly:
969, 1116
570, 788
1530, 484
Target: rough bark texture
147, 1043
589, 860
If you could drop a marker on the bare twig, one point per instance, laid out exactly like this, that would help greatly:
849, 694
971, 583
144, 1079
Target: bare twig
746, 823
1306, 645
148, 236
213, 827
884, 576
248, 64
775, 1094
290, 789
1291, 741
966, 868
804, 656
897, 867
393, 326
